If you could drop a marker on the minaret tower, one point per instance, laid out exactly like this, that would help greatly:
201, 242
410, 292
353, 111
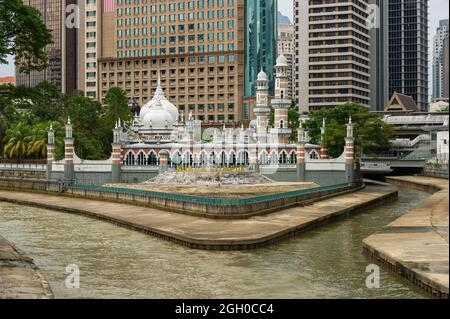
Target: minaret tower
323, 145
68, 153
350, 153
282, 102
50, 151
262, 109
116, 153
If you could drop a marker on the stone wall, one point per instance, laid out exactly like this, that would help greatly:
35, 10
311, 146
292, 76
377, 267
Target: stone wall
194, 205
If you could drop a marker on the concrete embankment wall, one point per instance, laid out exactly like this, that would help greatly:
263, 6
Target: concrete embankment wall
198, 206
415, 245
20, 278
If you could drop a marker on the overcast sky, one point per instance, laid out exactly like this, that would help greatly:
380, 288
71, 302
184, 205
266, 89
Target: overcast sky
438, 11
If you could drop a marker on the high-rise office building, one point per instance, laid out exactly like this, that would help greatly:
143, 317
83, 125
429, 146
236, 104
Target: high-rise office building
286, 47
260, 42
332, 53
438, 59
206, 52
379, 66
62, 68
446, 81
408, 49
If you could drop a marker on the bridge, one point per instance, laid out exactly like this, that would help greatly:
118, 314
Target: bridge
387, 165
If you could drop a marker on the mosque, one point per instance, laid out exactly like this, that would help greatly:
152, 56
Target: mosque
159, 126
160, 139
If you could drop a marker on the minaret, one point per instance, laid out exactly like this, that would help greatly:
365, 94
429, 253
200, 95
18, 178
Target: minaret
262, 109
301, 141
50, 151
282, 102
116, 153
323, 145
68, 153
350, 153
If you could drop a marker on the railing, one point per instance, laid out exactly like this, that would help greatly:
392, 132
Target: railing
24, 166
211, 201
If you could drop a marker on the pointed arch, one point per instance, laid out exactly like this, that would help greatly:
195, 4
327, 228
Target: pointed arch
282, 159
314, 155
129, 159
264, 158
152, 159
293, 157
273, 158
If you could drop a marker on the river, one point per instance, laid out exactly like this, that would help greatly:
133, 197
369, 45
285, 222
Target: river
115, 262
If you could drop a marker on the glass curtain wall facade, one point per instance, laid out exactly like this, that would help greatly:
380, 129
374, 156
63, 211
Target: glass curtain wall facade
260, 41
408, 49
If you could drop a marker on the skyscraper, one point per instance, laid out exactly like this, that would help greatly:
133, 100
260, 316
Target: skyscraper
62, 69
286, 47
260, 42
445, 92
332, 53
438, 58
379, 66
207, 52
408, 49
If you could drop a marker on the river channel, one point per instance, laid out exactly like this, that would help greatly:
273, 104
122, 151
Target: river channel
115, 262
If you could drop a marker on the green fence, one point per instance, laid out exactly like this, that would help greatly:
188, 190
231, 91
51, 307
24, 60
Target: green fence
211, 201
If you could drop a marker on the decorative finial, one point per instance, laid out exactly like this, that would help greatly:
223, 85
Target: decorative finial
51, 127
68, 120
324, 122
159, 79
117, 125
350, 120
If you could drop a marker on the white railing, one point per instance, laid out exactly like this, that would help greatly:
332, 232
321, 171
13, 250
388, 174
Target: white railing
32, 167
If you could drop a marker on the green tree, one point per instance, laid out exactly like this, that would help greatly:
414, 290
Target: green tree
46, 102
24, 35
88, 129
370, 132
7, 112
16, 144
116, 107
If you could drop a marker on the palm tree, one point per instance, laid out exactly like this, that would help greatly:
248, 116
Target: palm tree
37, 141
16, 141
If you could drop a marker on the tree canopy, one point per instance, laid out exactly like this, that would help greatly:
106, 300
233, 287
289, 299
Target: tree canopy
26, 115
24, 35
370, 132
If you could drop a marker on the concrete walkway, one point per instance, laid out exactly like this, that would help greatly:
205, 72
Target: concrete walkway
416, 244
205, 233
19, 276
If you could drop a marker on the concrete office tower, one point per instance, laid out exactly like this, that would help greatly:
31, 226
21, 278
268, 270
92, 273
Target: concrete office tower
286, 47
332, 53
198, 46
446, 69
62, 53
438, 59
408, 49
260, 42
90, 47
379, 63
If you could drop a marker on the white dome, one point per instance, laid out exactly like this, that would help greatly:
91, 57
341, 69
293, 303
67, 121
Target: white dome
167, 106
171, 109
282, 61
262, 76
157, 117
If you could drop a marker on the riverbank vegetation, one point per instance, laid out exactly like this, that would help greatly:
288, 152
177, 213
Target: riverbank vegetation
26, 114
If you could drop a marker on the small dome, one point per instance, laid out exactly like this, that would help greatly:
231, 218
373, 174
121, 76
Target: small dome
282, 61
157, 117
262, 76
